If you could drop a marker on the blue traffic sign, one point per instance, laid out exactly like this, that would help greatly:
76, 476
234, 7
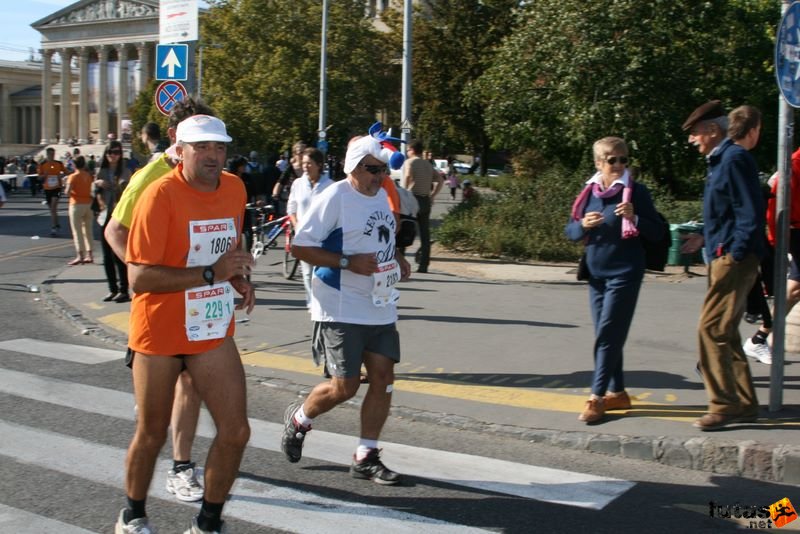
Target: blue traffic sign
787, 55
172, 62
168, 94
322, 145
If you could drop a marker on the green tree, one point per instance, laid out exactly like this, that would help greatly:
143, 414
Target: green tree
454, 43
576, 70
262, 66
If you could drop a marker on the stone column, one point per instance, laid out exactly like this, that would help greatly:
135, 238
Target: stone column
24, 124
102, 92
6, 134
47, 97
144, 65
65, 128
83, 92
122, 93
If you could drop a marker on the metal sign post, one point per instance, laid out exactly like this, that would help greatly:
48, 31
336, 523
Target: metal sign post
787, 74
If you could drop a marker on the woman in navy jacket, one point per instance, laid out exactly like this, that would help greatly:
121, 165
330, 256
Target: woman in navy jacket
610, 215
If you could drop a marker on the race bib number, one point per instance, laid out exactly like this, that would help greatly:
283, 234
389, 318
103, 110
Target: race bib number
52, 181
383, 282
209, 311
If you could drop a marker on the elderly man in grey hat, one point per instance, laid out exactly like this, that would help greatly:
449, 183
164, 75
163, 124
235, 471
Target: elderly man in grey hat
348, 233
184, 262
733, 236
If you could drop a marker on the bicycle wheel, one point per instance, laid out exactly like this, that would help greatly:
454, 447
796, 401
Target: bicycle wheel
290, 263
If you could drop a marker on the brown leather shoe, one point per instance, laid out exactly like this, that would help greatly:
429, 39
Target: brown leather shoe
593, 411
714, 421
617, 401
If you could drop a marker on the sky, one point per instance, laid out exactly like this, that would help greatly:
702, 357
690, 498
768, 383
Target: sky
17, 36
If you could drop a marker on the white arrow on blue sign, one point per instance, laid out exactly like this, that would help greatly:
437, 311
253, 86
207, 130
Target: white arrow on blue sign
172, 62
787, 55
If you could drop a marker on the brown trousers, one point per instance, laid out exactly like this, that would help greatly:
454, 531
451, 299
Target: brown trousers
726, 373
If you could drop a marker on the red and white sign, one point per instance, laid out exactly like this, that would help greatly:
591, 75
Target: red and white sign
168, 94
177, 21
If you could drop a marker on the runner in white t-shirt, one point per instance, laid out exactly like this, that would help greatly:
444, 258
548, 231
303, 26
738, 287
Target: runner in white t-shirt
349, 236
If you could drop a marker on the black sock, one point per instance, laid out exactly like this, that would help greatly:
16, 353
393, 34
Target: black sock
760, 338
180, 465
135, 510
210, 516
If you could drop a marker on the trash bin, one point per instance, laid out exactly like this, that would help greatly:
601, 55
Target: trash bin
675, 256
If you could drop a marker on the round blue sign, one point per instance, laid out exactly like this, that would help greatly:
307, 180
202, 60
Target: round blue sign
322, 145
787, 55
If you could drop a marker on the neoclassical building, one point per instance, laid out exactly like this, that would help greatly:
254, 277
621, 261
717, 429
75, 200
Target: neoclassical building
112, 44
96, 56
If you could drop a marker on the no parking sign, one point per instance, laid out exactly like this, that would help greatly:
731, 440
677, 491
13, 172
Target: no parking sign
168, 94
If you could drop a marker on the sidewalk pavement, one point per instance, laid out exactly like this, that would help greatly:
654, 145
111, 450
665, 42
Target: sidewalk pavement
768, 450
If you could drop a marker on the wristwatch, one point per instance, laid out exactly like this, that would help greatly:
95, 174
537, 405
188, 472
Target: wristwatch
344, 262
208, 275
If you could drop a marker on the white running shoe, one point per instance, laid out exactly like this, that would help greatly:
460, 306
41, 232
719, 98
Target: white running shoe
184, 484
758, 351
194, 529
136, 526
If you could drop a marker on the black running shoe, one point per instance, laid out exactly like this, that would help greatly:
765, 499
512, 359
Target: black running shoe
293, 435
371, 468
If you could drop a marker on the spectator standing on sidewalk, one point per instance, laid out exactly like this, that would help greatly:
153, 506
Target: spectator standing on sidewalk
610, 215
181, 480
349, 235
424, 181
112, 178
184, 257
79, 192
150, 137
733, 236
50, 173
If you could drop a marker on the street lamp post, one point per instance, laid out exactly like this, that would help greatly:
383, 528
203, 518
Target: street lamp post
406, 104
322, 143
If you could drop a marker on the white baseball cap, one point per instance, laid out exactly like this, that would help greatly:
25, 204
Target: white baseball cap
361, 147
199, 128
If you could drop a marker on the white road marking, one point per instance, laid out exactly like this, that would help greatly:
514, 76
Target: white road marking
22, 522
522, 480
62, 351
256, 502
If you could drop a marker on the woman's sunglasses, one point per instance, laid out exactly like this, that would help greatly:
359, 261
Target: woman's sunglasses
115, 152
375, 169
611, 160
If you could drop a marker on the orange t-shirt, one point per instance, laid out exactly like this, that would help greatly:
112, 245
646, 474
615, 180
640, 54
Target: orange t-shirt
391, 192
80, 187
51, 171
160, 235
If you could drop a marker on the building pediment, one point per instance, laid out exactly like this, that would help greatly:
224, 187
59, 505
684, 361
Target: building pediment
92, 11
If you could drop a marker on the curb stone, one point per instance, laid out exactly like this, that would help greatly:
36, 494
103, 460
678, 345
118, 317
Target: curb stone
748, 459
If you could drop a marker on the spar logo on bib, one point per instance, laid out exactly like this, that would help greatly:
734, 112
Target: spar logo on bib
206, 228
206, 293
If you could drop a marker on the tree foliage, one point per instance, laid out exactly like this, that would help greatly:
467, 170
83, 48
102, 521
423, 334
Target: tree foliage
262, 67
574, 71
453, 45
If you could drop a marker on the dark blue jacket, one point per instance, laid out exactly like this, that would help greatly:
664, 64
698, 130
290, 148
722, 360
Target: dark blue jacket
607, 254
733, 205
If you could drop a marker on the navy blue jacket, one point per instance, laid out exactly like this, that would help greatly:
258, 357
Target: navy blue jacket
733, 204
607, 254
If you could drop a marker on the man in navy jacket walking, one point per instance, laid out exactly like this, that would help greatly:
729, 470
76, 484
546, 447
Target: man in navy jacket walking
733, 208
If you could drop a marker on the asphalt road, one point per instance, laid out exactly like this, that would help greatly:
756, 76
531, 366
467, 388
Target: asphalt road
65, 424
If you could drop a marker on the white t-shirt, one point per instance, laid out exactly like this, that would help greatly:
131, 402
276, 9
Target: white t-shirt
345, 221
302, 193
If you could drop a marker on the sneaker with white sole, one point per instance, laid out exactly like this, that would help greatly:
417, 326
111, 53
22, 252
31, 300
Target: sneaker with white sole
184, 485
194, 529
136, 526
758, 351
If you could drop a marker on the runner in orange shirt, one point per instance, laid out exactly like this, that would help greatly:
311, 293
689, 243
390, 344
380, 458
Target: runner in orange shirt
51, 172
185, 263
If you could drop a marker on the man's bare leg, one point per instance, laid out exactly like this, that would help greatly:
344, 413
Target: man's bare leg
185, 413
153, 383
218, 376
378, 400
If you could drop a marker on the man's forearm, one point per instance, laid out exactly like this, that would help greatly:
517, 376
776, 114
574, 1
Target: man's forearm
163, 279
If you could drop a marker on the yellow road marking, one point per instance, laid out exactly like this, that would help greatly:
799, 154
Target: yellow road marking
117, 321
34, 250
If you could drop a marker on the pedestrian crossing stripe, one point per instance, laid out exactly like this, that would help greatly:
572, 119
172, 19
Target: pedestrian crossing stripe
62, 351
521, 480
22, 522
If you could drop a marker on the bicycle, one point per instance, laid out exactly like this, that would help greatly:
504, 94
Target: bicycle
266, 231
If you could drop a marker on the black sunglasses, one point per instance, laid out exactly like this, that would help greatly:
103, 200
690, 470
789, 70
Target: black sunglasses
117, 152
611, 160
375, 169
